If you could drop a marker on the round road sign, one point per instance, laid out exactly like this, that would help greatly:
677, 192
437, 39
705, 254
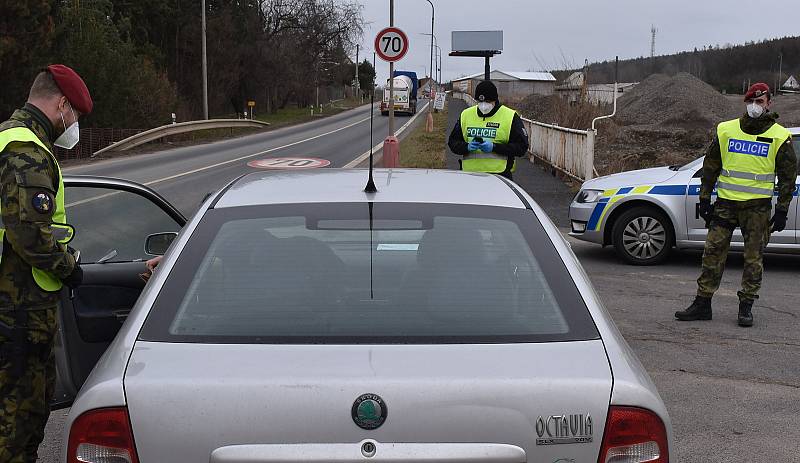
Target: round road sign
391, 44
289, 163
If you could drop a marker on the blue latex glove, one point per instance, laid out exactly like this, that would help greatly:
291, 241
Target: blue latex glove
473, 146
486, 146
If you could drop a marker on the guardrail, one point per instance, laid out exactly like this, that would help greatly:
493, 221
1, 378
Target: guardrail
181, 127
569, 151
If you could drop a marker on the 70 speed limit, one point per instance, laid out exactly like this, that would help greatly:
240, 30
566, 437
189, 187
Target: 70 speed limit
391, 44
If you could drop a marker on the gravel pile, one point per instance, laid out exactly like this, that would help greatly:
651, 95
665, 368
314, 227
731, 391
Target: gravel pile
680, 101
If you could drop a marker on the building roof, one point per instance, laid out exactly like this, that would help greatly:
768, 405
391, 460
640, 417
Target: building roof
512, 75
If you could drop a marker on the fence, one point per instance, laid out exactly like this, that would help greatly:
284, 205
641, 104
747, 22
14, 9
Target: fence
570, 151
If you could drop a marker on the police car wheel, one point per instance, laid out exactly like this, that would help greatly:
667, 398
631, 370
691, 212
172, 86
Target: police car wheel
643, 236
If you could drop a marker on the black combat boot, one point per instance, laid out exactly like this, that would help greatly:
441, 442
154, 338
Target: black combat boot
699, 310
745, 313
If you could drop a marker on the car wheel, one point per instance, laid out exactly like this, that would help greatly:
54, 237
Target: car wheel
643, 236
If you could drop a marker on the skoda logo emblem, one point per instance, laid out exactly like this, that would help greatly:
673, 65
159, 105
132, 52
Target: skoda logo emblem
369, 411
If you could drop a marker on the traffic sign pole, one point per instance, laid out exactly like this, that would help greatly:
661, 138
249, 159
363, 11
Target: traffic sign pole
391, 76
391, 44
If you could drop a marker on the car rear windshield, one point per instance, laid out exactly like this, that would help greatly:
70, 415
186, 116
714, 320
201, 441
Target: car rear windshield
369, 273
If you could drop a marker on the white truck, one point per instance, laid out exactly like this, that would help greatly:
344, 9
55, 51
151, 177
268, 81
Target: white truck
405, 96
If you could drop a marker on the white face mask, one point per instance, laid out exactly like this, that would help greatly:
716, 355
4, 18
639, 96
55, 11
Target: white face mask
485, 107
755, 110
71, 135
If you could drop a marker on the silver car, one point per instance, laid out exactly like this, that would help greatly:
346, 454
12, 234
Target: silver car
645, 213
296, 318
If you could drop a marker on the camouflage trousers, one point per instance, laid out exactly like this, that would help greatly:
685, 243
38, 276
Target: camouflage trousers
25, 393
752, 217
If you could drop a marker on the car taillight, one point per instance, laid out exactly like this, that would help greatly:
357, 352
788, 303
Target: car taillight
102, 436
634, 435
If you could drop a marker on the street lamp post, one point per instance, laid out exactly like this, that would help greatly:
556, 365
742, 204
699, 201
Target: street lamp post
205, 64
429, 123
433, 39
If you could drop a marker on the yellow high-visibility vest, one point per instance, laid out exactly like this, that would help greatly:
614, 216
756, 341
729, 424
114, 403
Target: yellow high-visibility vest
496, 129
748, 161
44, 279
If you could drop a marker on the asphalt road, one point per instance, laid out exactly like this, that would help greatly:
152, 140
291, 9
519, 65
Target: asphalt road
733, 393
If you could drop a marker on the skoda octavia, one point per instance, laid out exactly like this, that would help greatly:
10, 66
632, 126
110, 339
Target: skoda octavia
297, 318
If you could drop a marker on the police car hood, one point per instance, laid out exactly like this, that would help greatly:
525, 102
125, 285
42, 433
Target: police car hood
631, 179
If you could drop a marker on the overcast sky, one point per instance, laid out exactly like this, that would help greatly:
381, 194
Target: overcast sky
541, 35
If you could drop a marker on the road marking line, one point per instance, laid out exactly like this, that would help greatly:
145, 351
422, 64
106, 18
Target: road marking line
364, 156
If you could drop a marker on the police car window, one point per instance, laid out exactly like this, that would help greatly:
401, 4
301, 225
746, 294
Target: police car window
429, 274
113, 225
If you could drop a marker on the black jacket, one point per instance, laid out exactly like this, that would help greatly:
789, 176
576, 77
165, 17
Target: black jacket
517, 141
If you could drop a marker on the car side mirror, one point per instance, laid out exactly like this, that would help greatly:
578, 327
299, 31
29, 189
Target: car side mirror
158, 243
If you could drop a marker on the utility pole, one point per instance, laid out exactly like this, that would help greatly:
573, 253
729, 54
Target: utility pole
780, 71
358, 86
205, 64
391, 76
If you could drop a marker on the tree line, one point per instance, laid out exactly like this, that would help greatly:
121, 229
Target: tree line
727, 68
142, 61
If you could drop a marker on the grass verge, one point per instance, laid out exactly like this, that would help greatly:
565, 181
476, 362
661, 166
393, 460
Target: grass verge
291, 116
426, 149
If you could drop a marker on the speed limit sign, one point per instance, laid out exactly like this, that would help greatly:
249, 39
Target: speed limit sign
391, 44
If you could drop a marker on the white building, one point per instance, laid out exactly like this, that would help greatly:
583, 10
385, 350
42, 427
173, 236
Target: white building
511, 85
572, 86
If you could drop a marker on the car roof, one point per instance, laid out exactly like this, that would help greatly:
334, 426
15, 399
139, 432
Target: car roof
794, 130
347, 185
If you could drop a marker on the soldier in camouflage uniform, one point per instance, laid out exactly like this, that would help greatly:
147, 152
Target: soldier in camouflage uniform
33, 263
743, 161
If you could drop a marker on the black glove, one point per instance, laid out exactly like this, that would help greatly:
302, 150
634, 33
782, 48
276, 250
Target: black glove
778, 221
75, 278
706, 210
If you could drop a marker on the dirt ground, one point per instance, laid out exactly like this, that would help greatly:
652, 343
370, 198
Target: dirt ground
670, 121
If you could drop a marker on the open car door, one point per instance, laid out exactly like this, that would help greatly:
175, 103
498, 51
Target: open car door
112, 219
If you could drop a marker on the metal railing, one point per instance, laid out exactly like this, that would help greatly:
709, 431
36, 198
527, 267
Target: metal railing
569, 151
179, 128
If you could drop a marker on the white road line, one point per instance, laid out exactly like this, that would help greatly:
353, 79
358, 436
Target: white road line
377, 147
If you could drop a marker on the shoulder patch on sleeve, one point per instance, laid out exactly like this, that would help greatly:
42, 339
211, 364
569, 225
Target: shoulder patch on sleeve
42, 202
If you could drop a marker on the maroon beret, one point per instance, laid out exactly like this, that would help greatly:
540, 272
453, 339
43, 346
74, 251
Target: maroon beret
72, 86
756, 90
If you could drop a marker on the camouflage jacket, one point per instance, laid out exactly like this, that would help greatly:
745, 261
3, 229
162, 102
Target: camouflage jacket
785, 161
26, 170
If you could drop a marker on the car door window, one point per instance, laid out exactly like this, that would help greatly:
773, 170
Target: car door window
112, 225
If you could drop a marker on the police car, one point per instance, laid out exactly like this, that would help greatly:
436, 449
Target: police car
645, 213
298, 318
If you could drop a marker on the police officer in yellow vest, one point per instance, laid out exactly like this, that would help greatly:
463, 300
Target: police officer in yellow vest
35, 261
489, 135
744, 160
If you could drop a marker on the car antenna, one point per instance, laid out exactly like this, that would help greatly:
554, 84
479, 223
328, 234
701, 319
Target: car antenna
371, 278
370, 188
